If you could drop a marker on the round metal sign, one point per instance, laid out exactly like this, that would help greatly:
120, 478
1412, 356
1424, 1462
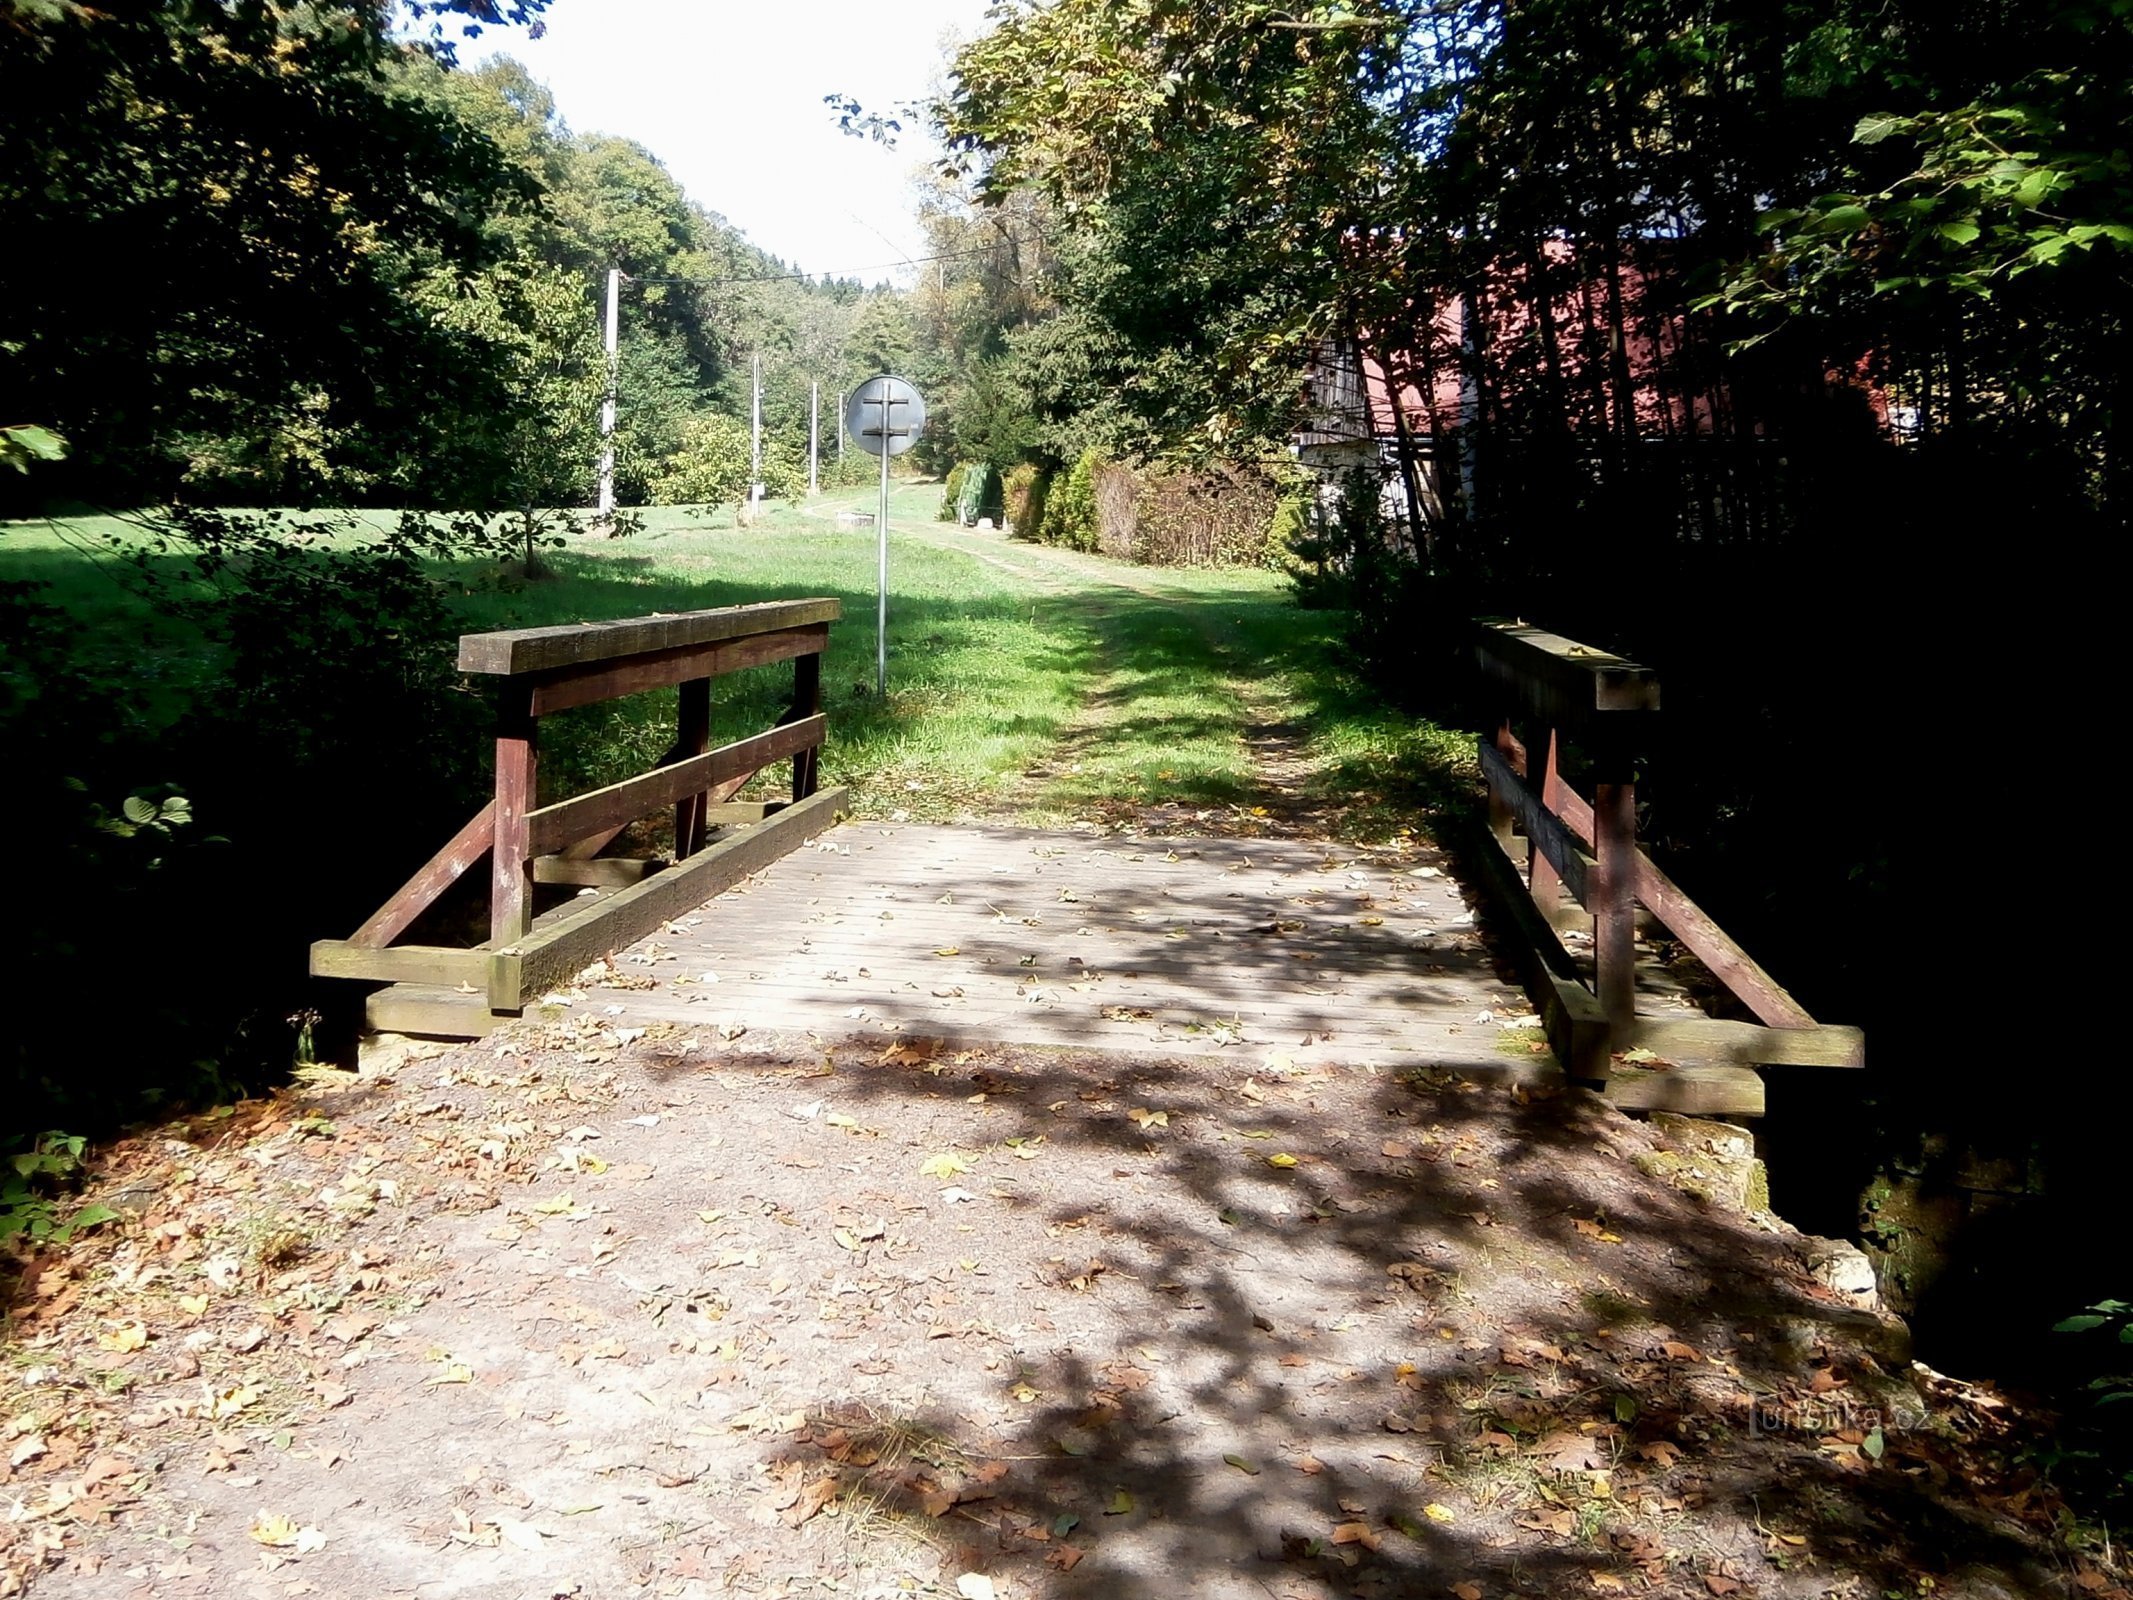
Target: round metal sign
885, 415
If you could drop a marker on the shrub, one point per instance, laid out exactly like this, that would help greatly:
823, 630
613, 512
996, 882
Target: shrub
1070, 511
1022, 499
952, 491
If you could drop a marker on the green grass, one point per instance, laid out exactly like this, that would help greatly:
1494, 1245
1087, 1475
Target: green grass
1042, 683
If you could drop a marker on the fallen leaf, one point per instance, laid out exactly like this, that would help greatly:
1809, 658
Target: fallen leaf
1466, 1591
975, 1586
523, 1534
1355, 1533
1281, 1159
812, 1499
1147, 1119
945, 1165
276, 1531
1439, 1513
1121, 1504
1248, 1468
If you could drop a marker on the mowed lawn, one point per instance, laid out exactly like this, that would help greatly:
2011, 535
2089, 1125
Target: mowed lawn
1023, 681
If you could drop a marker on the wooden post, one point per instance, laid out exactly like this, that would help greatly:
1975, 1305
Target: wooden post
1546, 783
517, 760
806, 702
1614, 910
1508, 747
692, 738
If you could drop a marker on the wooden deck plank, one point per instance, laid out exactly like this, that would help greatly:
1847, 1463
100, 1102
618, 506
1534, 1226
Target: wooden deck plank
1249, 947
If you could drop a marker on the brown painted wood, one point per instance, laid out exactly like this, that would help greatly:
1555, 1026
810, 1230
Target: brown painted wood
568, 687
524, 650
1731, 965
724, 769
438, 874
557, 953
1544, 881
692, 739
1576, 870
404, 963
1613, 902
517, 773
1576, 1027
806, 702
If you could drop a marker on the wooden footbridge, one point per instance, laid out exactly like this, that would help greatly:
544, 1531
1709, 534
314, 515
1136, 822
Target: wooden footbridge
779, 914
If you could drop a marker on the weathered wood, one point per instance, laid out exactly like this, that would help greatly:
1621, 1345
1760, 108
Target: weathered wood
1564, 851
405, 963
569, 687
692, 739
1613, 905
806, 702
1720, 953
1693, 1091
420, 892
1560, 681
1543, 880
553, 827
1708, 1040
1575, 1026
1732, 966
557, 953
523, 650
517, 764
431, 1012
597, 872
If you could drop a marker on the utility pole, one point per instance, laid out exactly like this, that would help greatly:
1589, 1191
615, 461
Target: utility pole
840, 433
755, 457
606, 522
814, 439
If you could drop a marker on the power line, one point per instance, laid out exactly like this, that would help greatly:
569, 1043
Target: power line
808, 277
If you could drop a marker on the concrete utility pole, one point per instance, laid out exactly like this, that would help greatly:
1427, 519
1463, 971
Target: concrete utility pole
755, 458
607, 406
840, 430
814, 439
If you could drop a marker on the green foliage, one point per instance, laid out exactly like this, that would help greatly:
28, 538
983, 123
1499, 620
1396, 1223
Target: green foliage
1022, 499
19, 446
172, 769
33, 1181
952, 492
711, 467
1070, 510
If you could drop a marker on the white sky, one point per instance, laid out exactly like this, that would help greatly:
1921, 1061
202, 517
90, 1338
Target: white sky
728, 94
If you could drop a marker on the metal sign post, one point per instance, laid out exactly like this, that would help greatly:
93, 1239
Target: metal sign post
886, 415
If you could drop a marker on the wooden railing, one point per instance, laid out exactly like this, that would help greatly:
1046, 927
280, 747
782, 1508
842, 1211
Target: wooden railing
1584, 854
457, 992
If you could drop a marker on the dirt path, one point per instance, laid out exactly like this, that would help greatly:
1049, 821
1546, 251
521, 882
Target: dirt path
572, 1314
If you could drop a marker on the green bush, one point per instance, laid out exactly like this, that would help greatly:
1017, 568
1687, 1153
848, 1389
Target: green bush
952, 491
1288, 529
1070, 511
1022, 499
